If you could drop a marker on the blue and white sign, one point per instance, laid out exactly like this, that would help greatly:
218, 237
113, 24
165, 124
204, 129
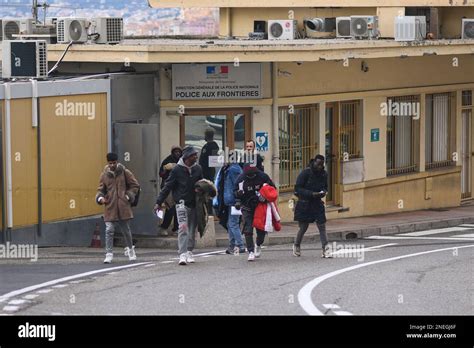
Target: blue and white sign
261, 139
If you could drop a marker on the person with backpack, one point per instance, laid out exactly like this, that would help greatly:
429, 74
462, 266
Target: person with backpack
118, 190
223, 203
247, 195
311, 186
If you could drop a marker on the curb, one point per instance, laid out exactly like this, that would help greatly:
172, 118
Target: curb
344, 234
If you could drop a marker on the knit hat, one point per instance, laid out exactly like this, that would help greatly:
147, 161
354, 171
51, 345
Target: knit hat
249, 169
176, 147
189, 151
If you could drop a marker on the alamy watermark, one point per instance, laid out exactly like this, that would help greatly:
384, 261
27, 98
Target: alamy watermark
76, 109
19, 251
227, 156
395, 108
346, 250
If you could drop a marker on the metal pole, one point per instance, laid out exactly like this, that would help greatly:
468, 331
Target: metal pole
275, 132
8, 160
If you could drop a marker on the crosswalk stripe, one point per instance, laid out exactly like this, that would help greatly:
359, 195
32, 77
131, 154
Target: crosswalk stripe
434, 231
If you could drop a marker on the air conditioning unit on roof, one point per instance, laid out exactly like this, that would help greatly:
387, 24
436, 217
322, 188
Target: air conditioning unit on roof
71, 30
468, 28
285, 29
107, 30
364, 27
410, 28
12, 27
343, 27
24, 59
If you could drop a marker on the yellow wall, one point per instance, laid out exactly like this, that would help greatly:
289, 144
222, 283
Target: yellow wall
24, 164
73, 153
374, 152
332, 77
242, 18
451, 20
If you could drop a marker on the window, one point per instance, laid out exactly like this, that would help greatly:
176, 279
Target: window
349, 129
466, 98
297, 138
402, 131
439, 130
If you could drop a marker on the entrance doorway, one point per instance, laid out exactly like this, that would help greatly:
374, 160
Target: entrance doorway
231, 127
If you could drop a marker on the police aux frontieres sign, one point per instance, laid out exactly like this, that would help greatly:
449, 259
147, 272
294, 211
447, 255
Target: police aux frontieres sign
216, 81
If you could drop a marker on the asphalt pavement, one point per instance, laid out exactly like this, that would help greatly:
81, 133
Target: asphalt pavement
418, 273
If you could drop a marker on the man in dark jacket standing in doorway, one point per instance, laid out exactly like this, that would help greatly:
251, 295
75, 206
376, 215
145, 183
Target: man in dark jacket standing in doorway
181, 183
209, 149
165, 169
311, 186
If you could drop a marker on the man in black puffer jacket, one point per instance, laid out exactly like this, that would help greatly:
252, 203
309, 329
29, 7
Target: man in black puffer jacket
311, 186
181, 183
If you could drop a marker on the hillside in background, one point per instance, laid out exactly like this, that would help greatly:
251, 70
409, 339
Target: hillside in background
139, 18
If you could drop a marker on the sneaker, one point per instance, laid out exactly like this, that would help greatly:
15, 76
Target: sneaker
326, 254
131, 254
258, 251
251, 256
108, 258
189, 257
236, 251
296, 250
182, 259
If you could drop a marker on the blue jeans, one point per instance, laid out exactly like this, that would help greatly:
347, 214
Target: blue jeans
233, 227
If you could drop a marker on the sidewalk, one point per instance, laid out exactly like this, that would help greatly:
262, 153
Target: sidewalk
361, 227
340, 229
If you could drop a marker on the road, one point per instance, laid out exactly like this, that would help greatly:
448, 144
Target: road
428, 273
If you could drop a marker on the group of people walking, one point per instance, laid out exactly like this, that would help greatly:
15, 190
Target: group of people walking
242, 194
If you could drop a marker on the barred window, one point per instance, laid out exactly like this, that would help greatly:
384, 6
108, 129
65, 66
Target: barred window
350, 128
297, 138
402, 130
439, 130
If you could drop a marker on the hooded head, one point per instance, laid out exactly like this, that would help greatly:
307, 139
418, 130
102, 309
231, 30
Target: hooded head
176, 151
250, 171
189, 155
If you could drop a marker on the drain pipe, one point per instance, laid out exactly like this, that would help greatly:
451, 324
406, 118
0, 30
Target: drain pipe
275, 132
8, 160
35, 123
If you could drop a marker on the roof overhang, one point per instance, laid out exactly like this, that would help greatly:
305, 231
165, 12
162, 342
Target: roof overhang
202, 51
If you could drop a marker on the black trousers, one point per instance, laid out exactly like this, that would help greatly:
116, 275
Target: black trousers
247, 216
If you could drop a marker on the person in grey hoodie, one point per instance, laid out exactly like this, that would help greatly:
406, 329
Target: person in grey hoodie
180, 183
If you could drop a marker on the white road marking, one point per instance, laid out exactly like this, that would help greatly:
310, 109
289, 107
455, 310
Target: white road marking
342, 313
331, 306
434, 231
11, 308
17, 302
428, 238
167, 262
467, 225
304, 295
465, 235
59, 286
64, 279
112, 273
30, 297
150, 265
44, 291
77, 281
381, 246
208, 255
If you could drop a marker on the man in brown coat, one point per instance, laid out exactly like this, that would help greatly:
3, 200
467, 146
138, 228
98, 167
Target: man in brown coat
117, 189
